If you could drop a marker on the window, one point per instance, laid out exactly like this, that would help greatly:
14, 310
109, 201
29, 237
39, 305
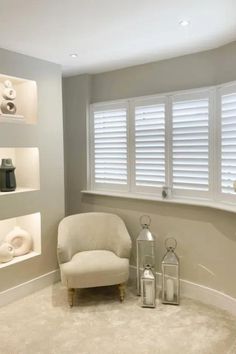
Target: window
228, 140
190, 143
109, 147
149, 145
183, 143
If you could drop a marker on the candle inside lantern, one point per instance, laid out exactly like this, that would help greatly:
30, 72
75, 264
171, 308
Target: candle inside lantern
169, 289
148, 293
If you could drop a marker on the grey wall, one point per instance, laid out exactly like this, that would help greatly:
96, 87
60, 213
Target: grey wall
76, 98
190, 71
47, 135
206, 237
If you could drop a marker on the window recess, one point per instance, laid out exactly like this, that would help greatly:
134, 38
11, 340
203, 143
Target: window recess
183, 141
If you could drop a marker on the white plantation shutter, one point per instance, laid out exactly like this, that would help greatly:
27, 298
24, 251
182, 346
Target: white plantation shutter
110, 147
185, 141
190, 144
149, 146
228, 142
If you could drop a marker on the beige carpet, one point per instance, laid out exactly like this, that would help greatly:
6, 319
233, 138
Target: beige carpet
43, 323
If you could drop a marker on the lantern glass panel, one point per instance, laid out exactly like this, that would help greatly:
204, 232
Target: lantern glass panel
170, 286
145, 255
148, 292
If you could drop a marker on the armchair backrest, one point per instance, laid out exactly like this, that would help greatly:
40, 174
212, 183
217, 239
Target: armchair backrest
92, 231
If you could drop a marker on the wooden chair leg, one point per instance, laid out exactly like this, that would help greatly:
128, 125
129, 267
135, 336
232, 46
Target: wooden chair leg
71, 293
122, 291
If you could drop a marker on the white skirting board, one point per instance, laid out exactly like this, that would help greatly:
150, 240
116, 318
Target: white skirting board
29, 287
200, 293
188, 289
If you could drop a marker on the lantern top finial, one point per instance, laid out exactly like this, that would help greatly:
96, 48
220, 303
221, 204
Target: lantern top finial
145, 221
170, 256
145, 234
170, 244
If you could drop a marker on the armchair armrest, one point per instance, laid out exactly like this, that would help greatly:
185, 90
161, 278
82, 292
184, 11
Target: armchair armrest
63, 254
122, 242
64, 244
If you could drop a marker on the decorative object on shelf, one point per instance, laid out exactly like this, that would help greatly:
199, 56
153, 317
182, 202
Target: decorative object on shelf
148, 287
21, 241
7, 176
6, 252
170, 274
8, 107
8, 95
145, 245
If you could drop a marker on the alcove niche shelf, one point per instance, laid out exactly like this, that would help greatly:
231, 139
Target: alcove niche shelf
26, 161
30, 223
25, 100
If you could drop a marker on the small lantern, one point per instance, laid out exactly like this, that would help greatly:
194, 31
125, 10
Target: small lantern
148, 287
170, 274
145, 249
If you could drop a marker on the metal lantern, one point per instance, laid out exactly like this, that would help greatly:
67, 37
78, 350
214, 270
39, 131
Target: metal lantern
148, 287
145, 249
170, 274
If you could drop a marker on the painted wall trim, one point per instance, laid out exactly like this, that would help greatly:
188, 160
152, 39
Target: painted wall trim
29, 287
200, 293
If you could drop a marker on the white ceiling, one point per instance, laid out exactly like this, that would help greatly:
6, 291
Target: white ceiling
112, 34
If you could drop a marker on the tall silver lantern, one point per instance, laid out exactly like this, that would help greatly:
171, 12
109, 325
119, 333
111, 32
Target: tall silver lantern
170, 274
145, 249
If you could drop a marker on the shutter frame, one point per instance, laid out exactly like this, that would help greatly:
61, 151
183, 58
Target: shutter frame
139, 149
102, 134
226, 135
190, 187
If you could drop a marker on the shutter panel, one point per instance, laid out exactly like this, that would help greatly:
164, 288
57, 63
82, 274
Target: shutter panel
150, 145
228, 142
110, 147
190, 146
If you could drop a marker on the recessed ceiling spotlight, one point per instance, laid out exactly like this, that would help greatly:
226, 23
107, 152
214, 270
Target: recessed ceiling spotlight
184, 23
73, 55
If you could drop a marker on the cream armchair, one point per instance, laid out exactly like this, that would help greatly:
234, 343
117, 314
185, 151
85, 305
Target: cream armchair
93, 250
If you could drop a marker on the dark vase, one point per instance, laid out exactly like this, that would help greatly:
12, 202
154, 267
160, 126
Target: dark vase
7, 176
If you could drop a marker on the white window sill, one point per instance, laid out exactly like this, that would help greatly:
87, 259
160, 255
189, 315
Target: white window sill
204, 203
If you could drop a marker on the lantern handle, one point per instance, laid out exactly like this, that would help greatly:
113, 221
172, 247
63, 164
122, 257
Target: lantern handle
148, 223
167, 241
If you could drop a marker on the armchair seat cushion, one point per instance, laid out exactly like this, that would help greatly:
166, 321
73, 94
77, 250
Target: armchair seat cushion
94, 268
